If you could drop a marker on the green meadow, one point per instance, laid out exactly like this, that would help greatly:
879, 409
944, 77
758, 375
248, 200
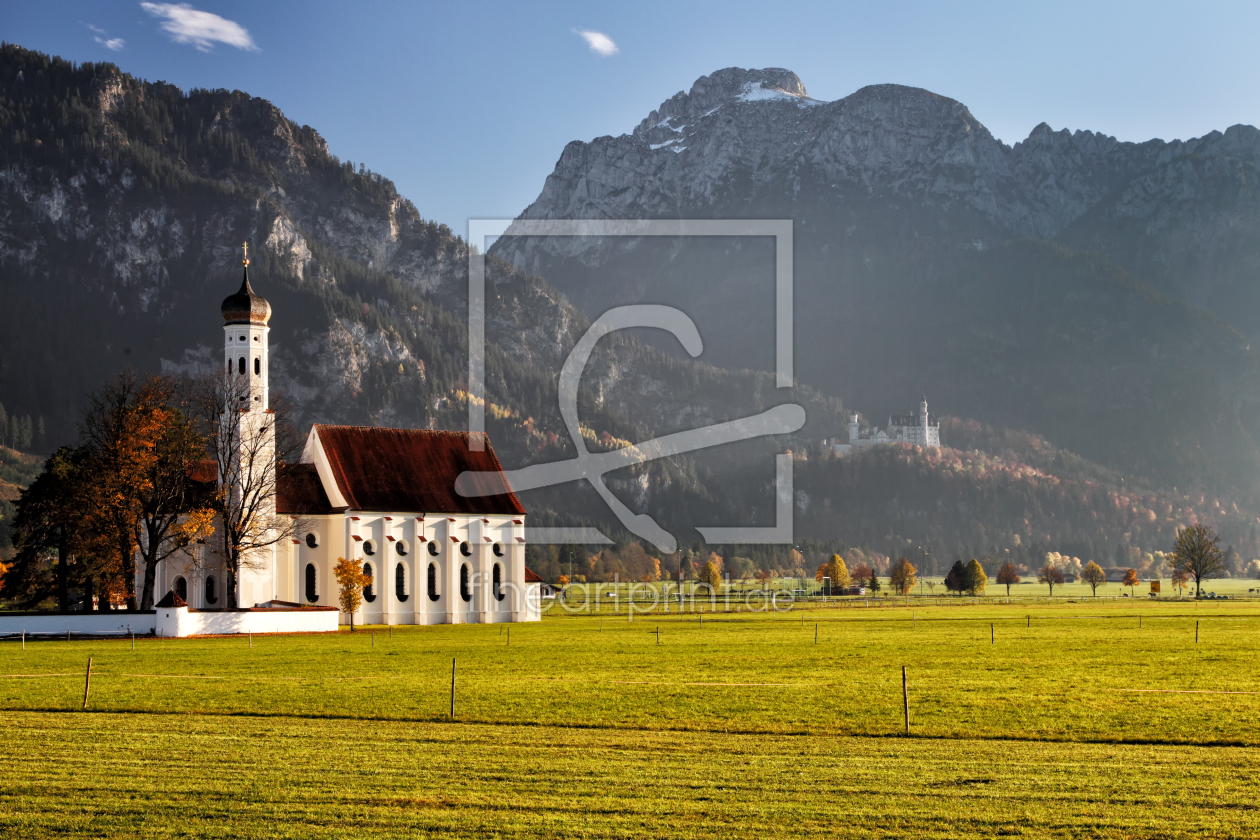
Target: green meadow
1078, 718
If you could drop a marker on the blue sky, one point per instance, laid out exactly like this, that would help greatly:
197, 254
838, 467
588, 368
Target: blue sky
467, 107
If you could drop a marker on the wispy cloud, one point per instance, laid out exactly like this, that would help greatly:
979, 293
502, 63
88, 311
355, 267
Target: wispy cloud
598, 42
102, 37
202, 30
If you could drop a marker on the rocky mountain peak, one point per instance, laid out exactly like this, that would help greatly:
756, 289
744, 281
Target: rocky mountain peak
731, 84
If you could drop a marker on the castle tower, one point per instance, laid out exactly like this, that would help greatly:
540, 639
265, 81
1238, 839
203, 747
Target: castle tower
853, 428
923, 417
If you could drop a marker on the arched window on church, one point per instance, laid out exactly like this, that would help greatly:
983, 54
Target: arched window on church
181, 588
212, 597
433, 548
400, 582
369, 593
465, 591
433, 590
257, 367
498, 582
312, 594
240, 367
465, 550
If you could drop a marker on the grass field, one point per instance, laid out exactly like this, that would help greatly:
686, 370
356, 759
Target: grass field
1075, 721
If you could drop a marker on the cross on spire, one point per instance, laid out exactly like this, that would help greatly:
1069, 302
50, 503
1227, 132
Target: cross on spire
245, 261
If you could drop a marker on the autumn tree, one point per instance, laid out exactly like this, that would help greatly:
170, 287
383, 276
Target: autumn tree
976, 579
839, 572
1094, 576
120, 433
1197, 553
710, 574
1130, 580
861, 574
246, 447
351, 581
177, 506
835, 570
1180, 580
1050, 575
902, 576
1006, 576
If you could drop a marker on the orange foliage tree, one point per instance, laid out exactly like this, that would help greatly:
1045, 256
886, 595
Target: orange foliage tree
351, 581
1130, 580
902, 576
1050, 575
1006, 576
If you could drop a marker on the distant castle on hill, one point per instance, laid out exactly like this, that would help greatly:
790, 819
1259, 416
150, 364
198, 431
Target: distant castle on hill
920, 428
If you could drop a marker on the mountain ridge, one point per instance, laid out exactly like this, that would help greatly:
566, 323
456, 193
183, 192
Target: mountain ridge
122, 203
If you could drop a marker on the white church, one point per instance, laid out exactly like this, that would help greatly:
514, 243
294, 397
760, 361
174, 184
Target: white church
383, 497
919, 428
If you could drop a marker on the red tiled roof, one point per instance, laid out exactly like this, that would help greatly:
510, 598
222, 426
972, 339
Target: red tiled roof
299, 491
413, 470
205, 472
531, 576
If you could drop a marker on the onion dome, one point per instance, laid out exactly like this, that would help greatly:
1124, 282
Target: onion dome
245, 307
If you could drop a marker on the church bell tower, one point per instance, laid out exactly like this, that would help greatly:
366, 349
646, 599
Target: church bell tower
245, 316
249, 432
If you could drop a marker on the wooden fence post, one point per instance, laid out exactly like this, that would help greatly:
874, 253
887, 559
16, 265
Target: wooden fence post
905, 697
452, 688
87, 683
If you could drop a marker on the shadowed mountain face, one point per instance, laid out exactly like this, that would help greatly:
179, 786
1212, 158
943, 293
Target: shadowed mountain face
931, 257
928, 259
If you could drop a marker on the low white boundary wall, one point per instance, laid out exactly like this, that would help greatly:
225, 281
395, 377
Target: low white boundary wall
92, 624
181, 621
172, 621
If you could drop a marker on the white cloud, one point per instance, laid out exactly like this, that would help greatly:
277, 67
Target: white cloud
599, 42
202, 30
102, 37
